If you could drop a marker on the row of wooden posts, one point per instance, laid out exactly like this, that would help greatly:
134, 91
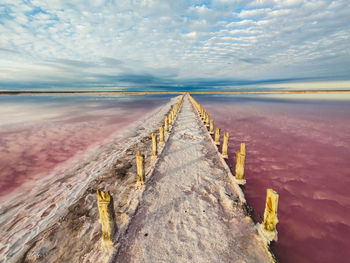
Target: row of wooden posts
268, 226
163, 130
104, 198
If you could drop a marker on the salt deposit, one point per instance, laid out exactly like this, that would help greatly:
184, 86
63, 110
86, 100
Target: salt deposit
25, 215
189, 210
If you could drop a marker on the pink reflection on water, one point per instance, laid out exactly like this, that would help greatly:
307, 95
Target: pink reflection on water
36, 138
301, 150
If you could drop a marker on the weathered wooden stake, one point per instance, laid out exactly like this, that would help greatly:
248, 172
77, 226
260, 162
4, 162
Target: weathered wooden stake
270, 214
161, 134
140, 168
170, 120
239, 172
211, 127
106, 210
224, 145
207, 120
166, 128
154, 144
217, 136
268, 226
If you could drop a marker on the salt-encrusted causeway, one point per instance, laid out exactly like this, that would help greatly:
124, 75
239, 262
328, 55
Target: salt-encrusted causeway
190, 211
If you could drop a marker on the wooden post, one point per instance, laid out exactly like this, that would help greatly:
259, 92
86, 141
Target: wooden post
211, 127
225, 145
217, 136
270, 214
106, 210
268, 226
207, 120
140, 168
161, 134
239, 172
166, 128
154, 144
170, 120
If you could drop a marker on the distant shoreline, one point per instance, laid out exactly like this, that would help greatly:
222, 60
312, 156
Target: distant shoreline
12, 93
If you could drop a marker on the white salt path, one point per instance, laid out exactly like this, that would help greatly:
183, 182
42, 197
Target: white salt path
189, 211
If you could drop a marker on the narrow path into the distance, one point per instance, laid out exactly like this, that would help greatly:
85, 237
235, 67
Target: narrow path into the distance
189, 212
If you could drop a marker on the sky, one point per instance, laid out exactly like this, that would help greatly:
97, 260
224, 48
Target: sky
172, 43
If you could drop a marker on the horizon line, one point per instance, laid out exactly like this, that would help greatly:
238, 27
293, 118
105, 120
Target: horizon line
13, 93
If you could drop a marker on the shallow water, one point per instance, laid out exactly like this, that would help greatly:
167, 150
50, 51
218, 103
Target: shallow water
298, 145
41, 133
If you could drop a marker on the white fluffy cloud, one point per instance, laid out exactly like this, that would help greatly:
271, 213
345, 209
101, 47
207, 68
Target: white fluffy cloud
121, 41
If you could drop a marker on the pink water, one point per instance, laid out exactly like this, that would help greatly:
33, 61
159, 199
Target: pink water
299, 147
39, 133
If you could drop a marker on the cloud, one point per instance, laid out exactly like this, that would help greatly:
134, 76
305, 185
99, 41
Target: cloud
256, 13
75, 63
112, 61
6, 50
254, 60
150, 41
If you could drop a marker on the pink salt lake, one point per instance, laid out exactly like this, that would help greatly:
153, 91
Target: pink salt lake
298, 145
41, 133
